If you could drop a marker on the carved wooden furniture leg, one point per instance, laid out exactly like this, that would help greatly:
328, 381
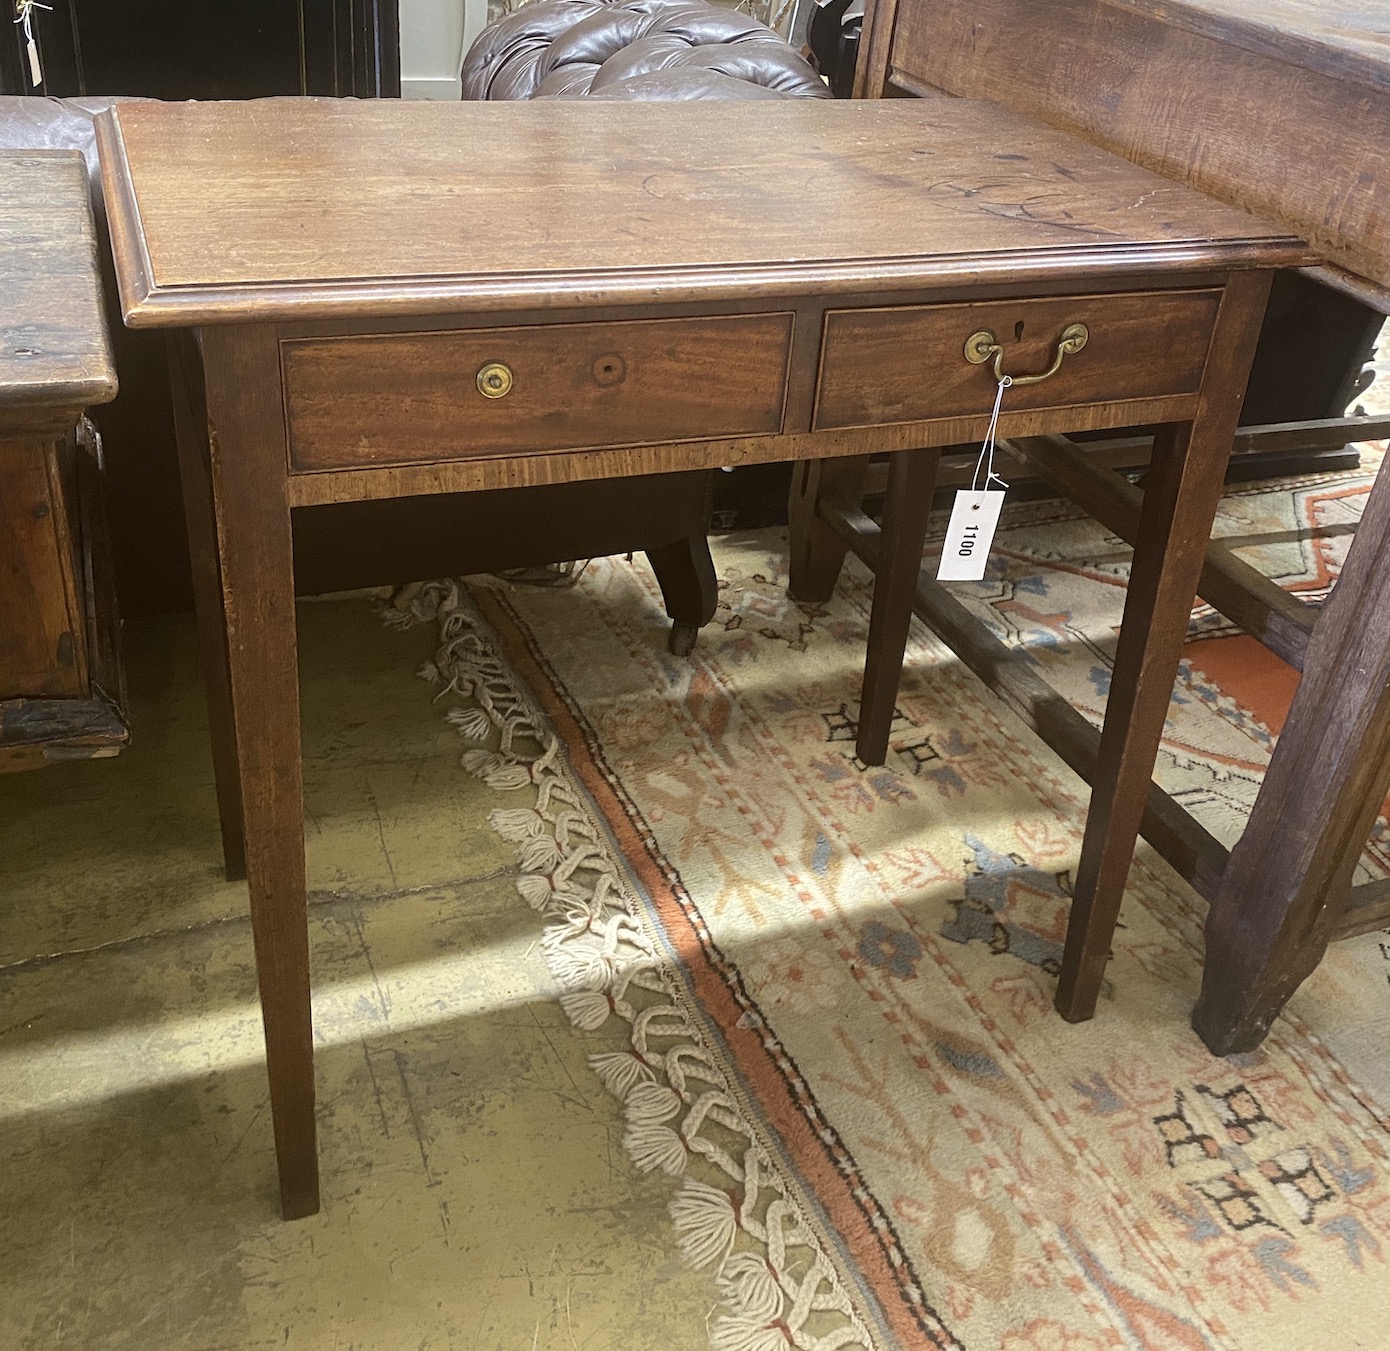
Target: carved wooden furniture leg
685, 572
190, 426
817, 551
911, 479
249, 473
1182, 490
1290, 875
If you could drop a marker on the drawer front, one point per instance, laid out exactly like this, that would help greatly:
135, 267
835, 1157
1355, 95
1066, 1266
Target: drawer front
908, 363
413, 398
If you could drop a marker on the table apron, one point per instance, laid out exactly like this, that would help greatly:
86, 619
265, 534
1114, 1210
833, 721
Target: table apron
461, 407
528, 470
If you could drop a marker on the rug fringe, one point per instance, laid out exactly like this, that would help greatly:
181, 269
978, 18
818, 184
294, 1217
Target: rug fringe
776, 1285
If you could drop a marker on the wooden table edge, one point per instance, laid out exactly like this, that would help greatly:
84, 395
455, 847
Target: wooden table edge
133, 269
151, 306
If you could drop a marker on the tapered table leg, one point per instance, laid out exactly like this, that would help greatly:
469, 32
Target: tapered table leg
1181, 493
195, 476
911, 481
249, 472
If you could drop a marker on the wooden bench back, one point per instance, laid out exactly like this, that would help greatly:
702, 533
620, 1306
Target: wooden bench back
1278, 106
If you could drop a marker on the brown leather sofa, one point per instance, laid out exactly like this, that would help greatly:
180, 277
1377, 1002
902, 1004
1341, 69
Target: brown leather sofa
570, 47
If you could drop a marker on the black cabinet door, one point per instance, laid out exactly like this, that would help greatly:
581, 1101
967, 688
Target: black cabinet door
207, 49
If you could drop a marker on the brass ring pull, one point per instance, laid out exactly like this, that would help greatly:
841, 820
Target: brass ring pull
494, 380
979, 347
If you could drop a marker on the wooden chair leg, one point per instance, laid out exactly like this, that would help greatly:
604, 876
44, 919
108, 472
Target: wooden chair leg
911, 481
249, 481
817, 551
190, 426
685, 572
1290, 874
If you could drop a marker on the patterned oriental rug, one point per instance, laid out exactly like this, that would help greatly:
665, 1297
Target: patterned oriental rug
823, 991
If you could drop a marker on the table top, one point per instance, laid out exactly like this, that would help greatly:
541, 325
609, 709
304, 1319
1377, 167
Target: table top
54, 347
1345, 40
308, 208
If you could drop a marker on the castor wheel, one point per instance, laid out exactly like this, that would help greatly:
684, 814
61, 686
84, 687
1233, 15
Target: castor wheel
682, 639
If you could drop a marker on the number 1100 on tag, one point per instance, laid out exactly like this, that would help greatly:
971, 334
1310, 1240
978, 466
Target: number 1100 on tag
965, 550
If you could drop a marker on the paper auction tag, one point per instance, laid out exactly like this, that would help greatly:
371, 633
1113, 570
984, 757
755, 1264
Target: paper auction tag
965, 550
24, 18
975, 516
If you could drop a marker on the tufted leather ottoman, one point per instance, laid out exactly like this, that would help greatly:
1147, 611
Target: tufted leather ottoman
634, 49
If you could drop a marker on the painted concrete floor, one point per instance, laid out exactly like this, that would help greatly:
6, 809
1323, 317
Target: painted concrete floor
475, 1190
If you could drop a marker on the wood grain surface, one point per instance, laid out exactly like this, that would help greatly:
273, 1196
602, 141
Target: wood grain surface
1181, 492
875, 49
39, 732
1290, 873
414, 397
306, 240
906, 509
907, 363
1285, 133
471, 475
60, 682
235, 211
54, 350
43, 651
1347, 41
247, 517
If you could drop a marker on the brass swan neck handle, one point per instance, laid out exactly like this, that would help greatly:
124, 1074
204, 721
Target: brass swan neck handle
979, 347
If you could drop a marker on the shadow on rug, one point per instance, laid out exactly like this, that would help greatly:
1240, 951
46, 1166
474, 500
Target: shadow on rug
823, 991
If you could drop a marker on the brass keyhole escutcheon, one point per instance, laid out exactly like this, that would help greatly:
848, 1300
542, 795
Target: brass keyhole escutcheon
494, 380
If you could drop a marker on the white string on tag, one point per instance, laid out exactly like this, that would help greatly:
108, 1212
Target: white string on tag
975, 515
986, 460
24, 18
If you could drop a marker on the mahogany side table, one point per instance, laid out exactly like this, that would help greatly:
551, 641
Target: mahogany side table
657, 287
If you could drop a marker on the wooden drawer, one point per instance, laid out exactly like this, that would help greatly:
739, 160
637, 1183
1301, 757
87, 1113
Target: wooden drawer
414, 397
908, 364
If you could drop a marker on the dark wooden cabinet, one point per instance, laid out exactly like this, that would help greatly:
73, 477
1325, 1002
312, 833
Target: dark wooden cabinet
208, 49
182, 49
60, 677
